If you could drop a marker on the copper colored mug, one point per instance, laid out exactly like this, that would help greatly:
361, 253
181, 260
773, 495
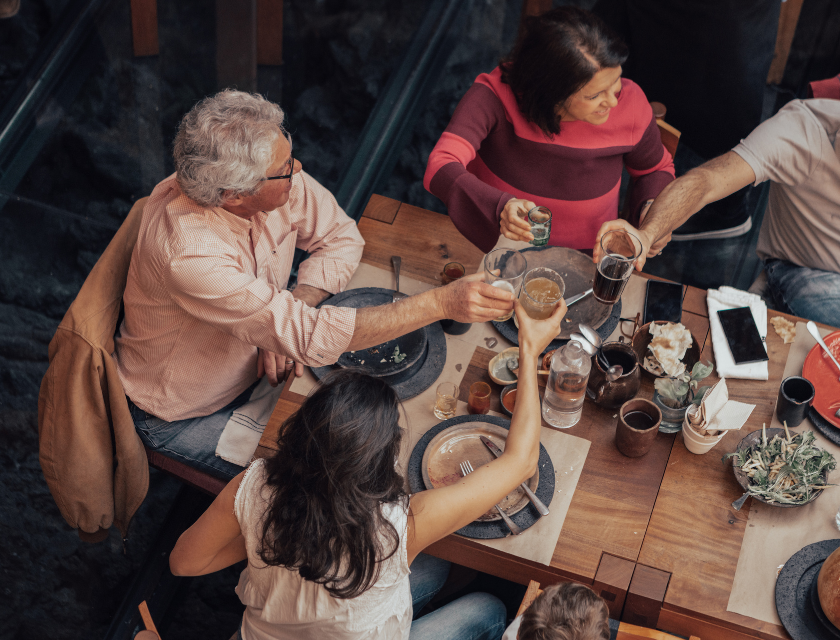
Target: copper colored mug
637, 426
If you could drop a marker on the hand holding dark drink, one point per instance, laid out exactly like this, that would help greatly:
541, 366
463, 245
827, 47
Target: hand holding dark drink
619, 252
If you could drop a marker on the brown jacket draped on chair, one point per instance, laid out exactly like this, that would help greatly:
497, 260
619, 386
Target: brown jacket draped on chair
92, 458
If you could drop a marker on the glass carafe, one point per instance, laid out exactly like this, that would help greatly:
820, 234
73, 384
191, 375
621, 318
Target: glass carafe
563, 400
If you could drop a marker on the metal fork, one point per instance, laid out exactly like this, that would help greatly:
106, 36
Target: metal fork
467, 469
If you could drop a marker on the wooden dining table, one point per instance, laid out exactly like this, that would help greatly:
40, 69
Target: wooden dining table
656, 536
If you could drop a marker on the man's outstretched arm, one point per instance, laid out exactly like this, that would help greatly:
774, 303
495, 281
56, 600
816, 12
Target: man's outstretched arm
680, 200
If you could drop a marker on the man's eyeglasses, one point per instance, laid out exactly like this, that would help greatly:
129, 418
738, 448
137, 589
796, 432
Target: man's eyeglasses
291, 169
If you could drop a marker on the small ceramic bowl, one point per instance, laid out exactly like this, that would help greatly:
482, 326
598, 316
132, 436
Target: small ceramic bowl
642, 338
505, 391
499, 373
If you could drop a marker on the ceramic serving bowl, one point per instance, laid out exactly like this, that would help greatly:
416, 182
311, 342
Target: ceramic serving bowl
642, 338
497, 369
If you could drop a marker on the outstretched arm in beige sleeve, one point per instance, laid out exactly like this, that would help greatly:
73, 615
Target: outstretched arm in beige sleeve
680, 200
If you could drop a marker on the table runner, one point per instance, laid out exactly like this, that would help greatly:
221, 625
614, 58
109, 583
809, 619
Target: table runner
773, 535
568, 453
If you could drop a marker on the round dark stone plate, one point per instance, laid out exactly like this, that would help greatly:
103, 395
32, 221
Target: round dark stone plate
578, 272
424, 369
824, 426
525, 518
794, 595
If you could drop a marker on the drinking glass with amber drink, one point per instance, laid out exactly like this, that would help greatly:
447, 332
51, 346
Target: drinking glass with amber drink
542, 289
452, 271
479, 401
446, 400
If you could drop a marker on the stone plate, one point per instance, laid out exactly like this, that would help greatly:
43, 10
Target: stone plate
525, 518
450, 447
824, 426
743, 479
425, 370
793, 592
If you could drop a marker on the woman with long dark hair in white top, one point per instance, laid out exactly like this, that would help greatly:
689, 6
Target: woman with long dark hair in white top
329, 532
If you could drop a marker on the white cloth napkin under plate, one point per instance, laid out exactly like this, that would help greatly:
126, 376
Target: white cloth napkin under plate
242, 432
730, 298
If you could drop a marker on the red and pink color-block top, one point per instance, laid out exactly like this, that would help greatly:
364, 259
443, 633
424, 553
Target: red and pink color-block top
490, 153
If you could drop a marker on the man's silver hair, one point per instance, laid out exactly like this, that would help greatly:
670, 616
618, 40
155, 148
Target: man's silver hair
224, 146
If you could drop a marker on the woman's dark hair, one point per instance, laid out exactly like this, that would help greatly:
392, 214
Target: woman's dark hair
332, 473
555, 55
566, 611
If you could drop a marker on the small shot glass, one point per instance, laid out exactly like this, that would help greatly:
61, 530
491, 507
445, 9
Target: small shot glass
452, 271
479, 401
446, 400
540, 220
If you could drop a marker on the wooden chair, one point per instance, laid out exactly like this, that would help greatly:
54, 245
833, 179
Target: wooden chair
625, 631
669, 135
151, 632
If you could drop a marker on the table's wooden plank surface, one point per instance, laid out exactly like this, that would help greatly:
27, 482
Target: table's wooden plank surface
694, 533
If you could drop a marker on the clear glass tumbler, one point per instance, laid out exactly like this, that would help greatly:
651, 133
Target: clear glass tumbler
620, 249
446, 400
505, 268
479, 401
540, 220
542, 289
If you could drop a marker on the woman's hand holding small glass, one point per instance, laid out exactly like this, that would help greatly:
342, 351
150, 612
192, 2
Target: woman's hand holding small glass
513, 220
535, 335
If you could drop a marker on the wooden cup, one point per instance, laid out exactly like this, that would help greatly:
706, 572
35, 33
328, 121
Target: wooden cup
631, 442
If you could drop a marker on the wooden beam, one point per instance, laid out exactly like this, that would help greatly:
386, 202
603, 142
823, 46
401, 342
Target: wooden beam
144, 27
236, 44
612, 582
788, 19
270, 32
645, 596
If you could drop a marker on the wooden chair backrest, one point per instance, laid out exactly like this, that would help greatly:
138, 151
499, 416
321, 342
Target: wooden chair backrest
669, 135
625, 631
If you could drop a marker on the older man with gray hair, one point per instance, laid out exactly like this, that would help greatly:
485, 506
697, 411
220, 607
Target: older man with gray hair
207, 310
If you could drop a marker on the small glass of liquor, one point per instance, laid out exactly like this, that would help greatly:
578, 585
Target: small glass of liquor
446, 400
452, 271
620, 250
542, 289
540, 220
479, 401
504, 269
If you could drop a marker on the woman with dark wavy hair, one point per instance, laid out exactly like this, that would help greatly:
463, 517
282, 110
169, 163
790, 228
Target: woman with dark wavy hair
552, 125
329, 532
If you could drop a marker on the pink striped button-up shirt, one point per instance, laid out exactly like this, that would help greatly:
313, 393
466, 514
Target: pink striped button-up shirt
206, 288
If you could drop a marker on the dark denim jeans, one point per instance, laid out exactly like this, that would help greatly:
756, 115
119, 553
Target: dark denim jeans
192, 441
809, 293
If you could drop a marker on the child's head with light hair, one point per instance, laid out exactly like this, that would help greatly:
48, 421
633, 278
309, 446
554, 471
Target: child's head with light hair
566, 611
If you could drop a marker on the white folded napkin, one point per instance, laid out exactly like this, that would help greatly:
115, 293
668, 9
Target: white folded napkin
730, 298
718, 413
242, 432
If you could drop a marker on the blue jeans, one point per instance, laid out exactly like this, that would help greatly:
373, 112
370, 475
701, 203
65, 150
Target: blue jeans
475, 616
809, 293
192, 441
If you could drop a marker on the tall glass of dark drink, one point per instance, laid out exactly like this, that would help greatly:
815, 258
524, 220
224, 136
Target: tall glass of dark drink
620, 250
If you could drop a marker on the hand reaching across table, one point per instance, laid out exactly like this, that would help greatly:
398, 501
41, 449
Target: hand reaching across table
514, 224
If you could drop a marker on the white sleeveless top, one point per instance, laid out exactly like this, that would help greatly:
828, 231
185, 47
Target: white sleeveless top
280, 604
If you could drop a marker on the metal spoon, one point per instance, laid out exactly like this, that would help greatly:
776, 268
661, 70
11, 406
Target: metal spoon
614, 372
740, 501
812, 329
595, 340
